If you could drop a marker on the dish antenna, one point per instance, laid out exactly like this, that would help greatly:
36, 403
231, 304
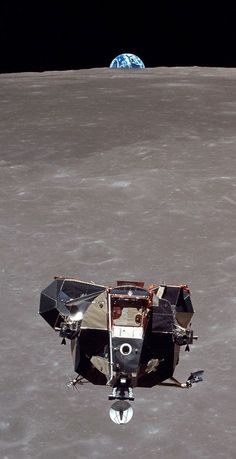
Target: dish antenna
121, 412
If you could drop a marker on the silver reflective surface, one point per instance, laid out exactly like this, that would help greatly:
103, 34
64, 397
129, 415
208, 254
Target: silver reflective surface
121, 412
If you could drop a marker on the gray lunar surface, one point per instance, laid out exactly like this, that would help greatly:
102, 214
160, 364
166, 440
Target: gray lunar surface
106, 175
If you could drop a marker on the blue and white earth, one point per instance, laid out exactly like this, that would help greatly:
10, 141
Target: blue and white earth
127, 60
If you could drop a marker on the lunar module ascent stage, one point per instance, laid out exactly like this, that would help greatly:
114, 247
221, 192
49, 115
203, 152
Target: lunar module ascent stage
123, 336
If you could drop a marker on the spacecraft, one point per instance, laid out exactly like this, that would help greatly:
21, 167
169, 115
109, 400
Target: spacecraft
121, 336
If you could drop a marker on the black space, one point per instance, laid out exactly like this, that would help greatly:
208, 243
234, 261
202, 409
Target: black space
39, 36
